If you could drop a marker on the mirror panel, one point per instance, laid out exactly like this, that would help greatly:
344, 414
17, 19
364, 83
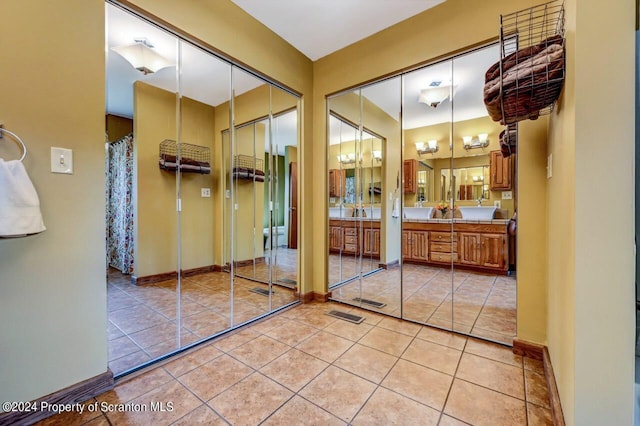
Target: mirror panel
428, 245
205, 295
484, 300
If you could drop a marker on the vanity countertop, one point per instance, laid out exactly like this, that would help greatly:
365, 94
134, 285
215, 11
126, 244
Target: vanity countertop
486, 222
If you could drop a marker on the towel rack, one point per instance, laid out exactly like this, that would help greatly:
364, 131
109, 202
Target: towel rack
24, 147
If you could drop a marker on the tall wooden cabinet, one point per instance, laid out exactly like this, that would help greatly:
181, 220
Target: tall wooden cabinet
409, 174
500, 172
337, 183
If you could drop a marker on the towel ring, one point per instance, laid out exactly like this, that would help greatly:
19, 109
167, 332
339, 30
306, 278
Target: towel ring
24, 147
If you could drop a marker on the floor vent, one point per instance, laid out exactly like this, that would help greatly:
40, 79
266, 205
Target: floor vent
261, 291
369, 302
356, 319
287, 282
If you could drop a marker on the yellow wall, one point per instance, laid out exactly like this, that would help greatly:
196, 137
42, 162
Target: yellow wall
591, 222
53, 306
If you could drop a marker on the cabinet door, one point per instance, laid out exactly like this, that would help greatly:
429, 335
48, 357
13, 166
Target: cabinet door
493, 249
500, 169
336, 183
371, 242
406, 244
469, 253
420, 245
409, 175
335, 238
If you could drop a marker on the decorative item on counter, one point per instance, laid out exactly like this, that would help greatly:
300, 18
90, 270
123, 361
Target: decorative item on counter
444, 209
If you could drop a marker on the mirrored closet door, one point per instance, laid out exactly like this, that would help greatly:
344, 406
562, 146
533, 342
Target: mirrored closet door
447, 252
210, 153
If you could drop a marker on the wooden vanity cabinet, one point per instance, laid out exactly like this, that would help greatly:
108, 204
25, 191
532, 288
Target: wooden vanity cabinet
499, 172
443, 247
337, 183
346, 236
371, 242
409, 174
415, 245
335, 238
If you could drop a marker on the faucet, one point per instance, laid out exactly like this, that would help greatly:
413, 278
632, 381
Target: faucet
480, 201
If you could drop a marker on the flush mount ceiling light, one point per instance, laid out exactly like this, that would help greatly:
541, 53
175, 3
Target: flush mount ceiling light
472, 142
436, 93
142, 56
429, 148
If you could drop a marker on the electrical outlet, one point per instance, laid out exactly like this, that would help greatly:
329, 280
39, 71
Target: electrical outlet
507, 195
205, 192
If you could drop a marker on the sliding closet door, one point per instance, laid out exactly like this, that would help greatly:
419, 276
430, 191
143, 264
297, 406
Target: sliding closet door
428, 246
205, 295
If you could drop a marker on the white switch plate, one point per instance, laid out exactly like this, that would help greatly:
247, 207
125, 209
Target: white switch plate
549, 166
205, 192
507, 195
497, 203
61, 160
227, 193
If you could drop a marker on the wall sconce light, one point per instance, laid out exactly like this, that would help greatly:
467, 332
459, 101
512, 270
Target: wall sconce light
478, 178
480, 141
377, 155
347, 158
436, 93
429, 148
142, 56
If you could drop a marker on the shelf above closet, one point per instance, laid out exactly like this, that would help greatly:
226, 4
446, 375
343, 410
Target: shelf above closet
192, 158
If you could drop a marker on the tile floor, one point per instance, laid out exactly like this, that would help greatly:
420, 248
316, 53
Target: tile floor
143, 320
482, 305
304, 367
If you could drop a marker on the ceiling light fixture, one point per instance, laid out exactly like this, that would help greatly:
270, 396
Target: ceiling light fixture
142, 56
436, 93
347, 158
429, 148
377, 155
473, 142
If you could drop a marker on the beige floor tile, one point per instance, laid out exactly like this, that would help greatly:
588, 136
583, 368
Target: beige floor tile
366, 362
488, 407
98, 421
493, 351
259, 351
433, 355
202, 415
420, 383
400, 326
136, 318
154, 335
325, 346
122, 346
292, 332
74, 418
492, 374
269, 324
339, 392
298, 410
389, 408
126, 362
316, 319
259, 396
349, 330
188, 362
294, 369
442, 337
388, 341
236, 339
173, 392
133, 388
539, 416
450, 421
215, 376
536, 388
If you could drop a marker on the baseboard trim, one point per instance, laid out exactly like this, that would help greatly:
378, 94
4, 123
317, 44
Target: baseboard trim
528, 349
392, 264
313, 296
78, 393
173, 275
554, 396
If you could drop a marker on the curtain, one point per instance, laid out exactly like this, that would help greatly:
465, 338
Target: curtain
120, 204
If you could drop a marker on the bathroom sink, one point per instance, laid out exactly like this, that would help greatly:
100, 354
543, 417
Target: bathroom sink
337, 212
477, 213
418, 213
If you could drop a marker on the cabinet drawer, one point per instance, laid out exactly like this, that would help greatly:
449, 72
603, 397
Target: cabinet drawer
350, 231
444, 247
351, 247
350, 239
438, 237
443, 257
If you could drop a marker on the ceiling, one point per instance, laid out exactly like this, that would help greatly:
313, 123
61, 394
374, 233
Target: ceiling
320, 27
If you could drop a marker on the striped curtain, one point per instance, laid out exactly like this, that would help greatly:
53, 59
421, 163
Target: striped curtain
120, 204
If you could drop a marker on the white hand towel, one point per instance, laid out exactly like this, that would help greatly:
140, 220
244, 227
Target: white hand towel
19, 204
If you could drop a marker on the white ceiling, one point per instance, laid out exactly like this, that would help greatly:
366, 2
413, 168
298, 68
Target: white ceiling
320, 27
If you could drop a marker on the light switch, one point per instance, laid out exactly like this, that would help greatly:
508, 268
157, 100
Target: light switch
61, 160
507, 195
205, 192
